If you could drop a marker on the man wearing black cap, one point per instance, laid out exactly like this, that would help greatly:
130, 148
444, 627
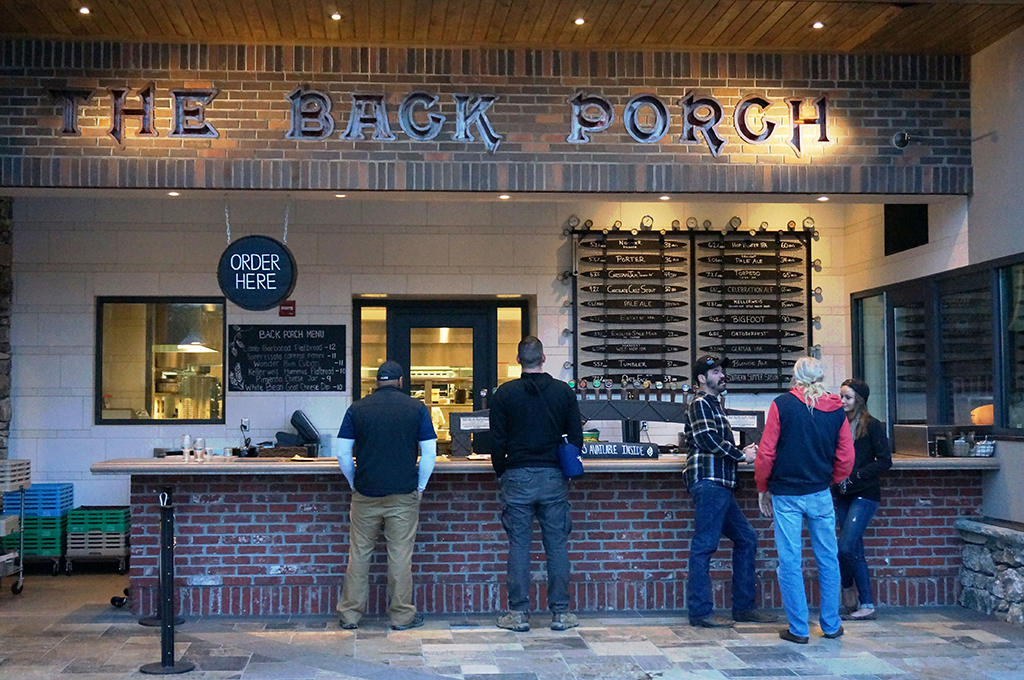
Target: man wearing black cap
379, 440
711, 479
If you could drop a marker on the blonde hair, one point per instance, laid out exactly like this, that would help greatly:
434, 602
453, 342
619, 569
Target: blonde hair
808, 374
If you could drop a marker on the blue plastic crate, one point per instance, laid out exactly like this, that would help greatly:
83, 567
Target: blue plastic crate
42, 500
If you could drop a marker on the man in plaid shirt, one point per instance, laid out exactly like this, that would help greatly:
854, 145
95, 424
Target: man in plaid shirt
711, 479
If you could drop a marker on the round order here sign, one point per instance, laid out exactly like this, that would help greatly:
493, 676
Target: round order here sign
257, 272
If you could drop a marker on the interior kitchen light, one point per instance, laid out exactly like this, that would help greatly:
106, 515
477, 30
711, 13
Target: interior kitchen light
83, 10
822, 199
666, 198
504, 197
374, 295
817, 24
443, 334
339, 195
336, 16
173, 193
580, 21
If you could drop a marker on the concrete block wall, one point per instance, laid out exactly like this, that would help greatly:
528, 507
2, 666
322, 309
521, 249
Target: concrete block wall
70, 249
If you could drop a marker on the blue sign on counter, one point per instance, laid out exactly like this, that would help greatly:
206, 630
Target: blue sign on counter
257, 272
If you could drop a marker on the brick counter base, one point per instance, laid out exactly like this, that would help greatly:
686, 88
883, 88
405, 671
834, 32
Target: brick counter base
267, 545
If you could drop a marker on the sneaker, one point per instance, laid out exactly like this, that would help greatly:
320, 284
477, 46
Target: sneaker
785, 634
514, 621
348, 626
754, 616
416, 622
833, 636
564, 621
862, 614
712, 621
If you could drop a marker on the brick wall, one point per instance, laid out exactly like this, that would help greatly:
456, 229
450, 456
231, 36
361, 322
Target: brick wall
871, 97
275, 545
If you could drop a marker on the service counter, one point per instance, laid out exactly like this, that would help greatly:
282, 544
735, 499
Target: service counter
266, 536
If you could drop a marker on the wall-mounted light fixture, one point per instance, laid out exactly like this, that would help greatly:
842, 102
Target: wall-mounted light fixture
901, 140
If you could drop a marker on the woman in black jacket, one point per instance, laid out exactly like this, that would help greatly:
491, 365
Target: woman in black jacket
857, 498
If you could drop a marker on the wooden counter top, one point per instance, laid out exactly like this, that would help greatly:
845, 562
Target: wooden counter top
288, 466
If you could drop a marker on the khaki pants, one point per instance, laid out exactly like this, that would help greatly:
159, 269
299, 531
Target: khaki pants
400, 515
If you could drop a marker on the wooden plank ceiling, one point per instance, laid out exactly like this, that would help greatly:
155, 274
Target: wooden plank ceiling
949, 27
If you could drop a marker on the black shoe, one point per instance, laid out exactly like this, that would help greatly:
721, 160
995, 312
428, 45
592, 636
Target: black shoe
712, 621
754, 616
348, 626
833, 636
792, 637
416, 622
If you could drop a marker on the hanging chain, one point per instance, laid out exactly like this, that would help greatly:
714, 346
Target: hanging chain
227, 221
287, 210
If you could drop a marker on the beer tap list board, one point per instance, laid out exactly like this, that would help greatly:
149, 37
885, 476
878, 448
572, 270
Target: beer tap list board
647, 303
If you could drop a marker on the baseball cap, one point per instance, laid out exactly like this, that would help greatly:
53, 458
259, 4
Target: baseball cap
390, 370
706, 362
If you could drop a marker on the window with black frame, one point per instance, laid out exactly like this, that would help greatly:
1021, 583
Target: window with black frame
1013, 286
159, 359
965, 333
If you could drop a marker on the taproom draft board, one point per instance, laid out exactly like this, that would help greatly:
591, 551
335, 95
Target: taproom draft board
646, 303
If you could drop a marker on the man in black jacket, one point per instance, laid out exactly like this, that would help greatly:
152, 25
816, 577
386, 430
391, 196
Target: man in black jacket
528, 418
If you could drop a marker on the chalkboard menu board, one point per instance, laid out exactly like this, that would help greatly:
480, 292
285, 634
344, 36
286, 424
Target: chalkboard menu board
286, 358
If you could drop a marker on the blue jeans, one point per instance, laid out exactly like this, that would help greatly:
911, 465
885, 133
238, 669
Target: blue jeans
790, 513
852, 518
542, 493
717, 513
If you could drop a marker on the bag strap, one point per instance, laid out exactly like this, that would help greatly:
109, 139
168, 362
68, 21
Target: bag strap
547, 407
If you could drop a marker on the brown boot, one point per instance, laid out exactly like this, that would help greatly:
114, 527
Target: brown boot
850, 599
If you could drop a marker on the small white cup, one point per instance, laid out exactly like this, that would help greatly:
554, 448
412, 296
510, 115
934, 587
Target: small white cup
208, 454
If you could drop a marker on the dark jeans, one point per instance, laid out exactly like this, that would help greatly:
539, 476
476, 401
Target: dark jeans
542, 493
852, 518
718, 514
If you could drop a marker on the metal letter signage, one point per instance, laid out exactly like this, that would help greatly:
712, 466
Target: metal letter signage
257, 272
708, 125
145, 110
70, 99
188, 115
631, 119
421, 133
742, 123
311, 115
821, 104
368, 110
589, 114
472, 110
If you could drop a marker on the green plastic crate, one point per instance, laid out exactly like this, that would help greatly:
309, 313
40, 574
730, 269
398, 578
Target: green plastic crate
36, 546
108, 519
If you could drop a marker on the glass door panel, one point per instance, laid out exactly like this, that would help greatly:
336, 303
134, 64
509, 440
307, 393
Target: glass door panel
911, 371
441, 372
510, 332
872, 351
373, 346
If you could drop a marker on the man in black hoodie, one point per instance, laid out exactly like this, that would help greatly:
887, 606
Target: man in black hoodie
528, 418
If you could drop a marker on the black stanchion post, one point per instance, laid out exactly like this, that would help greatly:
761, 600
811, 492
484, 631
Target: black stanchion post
167, 665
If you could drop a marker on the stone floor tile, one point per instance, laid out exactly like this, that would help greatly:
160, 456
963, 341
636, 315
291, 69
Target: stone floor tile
278, 671
632, 648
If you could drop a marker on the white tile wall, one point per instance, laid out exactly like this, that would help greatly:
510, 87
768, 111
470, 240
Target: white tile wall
68, 250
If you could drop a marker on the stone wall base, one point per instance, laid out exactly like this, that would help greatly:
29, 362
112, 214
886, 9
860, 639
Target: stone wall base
992, 575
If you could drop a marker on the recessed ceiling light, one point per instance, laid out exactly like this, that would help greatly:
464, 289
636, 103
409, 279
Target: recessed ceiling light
336, 16
173, 193
504, 197
339, 195
83, 10
580, 21
817, 24
822, 199
666, 198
